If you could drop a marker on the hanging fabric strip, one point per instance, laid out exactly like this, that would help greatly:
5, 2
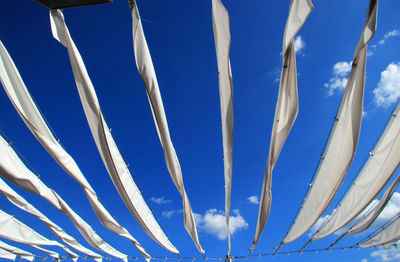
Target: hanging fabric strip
381, 165
146, 70
388, 234
222, 36
12, 168
373, 214
13, 229
20, 202
116, 166
286, 107
7, 255
30, 114
16, 251
342, 144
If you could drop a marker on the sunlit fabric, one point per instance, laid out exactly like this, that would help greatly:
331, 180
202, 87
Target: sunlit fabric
388, 234
342, 143
12, 168
17, 251
222, 38
106, 145
30, 114
286, 107
20, 202
375, 211
7, 255
13, 229
147, 72
381, 165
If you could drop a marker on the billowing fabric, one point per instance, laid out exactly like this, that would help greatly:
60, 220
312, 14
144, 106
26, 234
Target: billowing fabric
13, 229
12, 168
16, 251
286, 107
373, 214
379, 168
222, 38
20, 202
7, 255
30, 114
147, 72
388, 234
48, 252
115, 164
342, 144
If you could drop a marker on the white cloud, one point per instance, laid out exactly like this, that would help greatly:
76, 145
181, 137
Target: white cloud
389, 35
170, 213
339, 79
390, 254
253, 200
299, 44
160, 200
213, 222
388, 90
364, 260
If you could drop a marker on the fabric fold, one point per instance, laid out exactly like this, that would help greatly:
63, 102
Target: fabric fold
30, 114
12, 168
381, 165
372, 215
343, 141
146, 70
286, 107
113, 161
7, 255
390, 233
222, 37
14, 230
20, 202
17, 251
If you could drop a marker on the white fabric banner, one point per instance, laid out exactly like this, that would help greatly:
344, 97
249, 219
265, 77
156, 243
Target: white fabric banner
16, 251
373, 214
12, 168
222, 36
20, 202
379, 168
13, 229
115, 164
146, 70
389, 234
286, 107
27, 109
342, 144
7, 255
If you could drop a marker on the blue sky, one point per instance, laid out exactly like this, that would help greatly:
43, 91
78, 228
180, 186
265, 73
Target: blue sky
180, 38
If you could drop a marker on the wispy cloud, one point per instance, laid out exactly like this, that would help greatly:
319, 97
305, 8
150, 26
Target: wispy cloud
373, 48
299, 44
160, 200
339, 79
170, 213
388, 90
253, 200
213, 222
390, 254
389, 35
